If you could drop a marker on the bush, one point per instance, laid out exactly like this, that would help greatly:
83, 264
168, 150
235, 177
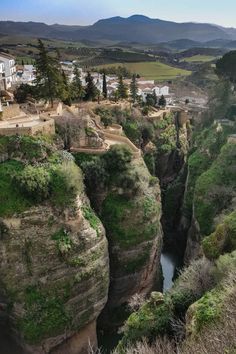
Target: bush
117, 159
66, 183
208, 309
34, 182
12, 200
222, 240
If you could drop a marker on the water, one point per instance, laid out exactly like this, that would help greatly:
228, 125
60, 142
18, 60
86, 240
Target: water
170, 261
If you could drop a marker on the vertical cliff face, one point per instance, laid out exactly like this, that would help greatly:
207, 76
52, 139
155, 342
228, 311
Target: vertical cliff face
135, 237
54, 264
54, 271
129, 207
210, 189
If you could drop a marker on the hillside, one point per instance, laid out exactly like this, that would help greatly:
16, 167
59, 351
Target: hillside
135, 28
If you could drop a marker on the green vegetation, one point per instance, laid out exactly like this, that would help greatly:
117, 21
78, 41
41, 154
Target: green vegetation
44, 316
116, 212
12, 199
66, 183
39, 174
213, 191
92, 218
152, 70
34, 182
63, 241
222, 240
208, 309
199, 58
149, 321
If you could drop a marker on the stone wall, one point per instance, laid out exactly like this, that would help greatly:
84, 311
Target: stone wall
124, 140
11, 111
46, 127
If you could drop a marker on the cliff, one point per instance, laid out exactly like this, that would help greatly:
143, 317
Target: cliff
127, 199
54, 267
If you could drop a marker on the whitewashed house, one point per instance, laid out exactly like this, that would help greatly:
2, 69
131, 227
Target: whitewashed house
2, 75
9, 75
26, 75
145, 90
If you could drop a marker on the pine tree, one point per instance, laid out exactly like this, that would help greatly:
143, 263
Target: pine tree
49, 80
91, 91
77, 90
162, 101
134, 88
104, 85
122, 89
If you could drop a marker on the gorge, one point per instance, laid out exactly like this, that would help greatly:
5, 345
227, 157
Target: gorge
91, 238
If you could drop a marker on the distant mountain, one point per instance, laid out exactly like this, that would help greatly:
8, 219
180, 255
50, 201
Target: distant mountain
136, 28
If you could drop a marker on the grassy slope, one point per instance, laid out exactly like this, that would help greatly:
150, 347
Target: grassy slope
153, 70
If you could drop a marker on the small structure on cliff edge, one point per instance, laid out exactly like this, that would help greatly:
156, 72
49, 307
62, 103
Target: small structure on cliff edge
19, 120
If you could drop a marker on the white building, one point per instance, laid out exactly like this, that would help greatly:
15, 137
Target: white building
2, 75
150, 89
9, 74
26, 74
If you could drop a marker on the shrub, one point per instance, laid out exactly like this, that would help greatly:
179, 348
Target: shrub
117, 159
12, 200
34, 182
208, 309
66, 183
222, 240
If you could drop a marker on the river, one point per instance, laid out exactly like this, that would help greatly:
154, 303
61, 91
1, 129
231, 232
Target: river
170, 262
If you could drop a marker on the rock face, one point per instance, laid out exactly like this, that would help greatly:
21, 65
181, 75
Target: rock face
132, 222
54, 272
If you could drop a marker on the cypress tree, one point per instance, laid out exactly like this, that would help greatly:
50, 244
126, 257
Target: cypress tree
104, 85
162, 101
49, 80
77, 90
91, 90
134, 88
122, 88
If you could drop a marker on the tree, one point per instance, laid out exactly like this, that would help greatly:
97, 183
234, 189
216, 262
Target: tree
49, 80
122, 88
117, 159
226, 66
162, 101
91, 90
23, 91
77, 90
154, 95
66, 95
150, 100
104, 85
134, 88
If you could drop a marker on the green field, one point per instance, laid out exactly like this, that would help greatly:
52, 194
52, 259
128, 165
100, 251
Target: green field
199, 58
152, 70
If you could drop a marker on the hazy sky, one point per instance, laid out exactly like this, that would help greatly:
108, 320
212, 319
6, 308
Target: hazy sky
88, 11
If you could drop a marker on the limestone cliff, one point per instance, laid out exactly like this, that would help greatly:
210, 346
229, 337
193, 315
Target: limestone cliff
54, 265
128, 201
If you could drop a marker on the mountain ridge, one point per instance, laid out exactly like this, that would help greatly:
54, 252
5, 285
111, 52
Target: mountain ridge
138, 28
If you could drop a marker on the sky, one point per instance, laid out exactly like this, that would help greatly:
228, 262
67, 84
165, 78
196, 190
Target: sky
84, 12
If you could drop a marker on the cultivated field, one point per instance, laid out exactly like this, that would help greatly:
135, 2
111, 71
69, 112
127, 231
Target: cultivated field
199, 58
152, 70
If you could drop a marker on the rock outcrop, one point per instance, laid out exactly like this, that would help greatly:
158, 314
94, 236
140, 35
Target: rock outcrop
54, 263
